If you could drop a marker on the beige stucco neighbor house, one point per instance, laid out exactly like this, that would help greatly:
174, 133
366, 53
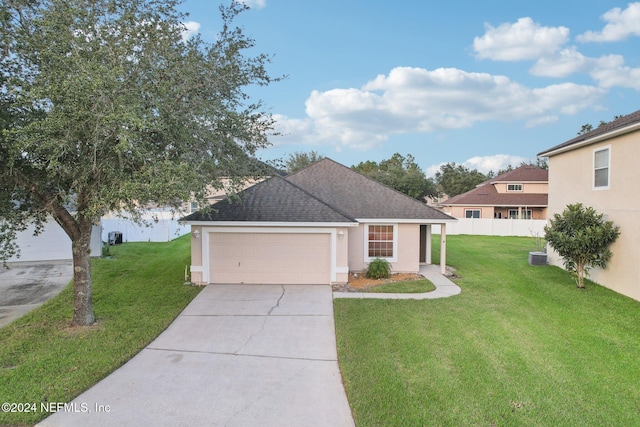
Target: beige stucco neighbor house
517, 194
312, 227
600, 169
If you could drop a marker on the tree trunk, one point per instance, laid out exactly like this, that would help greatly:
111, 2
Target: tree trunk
82, 292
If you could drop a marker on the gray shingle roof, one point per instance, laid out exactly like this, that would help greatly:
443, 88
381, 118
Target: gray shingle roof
622, 122
273, 200
359, 196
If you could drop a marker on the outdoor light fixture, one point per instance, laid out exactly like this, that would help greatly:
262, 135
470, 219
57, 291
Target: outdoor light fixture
196, 233
340, 234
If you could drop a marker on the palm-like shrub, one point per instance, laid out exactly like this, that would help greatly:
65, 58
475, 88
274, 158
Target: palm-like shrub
379, 269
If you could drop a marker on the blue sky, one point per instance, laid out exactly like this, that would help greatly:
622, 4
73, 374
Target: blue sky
483, 84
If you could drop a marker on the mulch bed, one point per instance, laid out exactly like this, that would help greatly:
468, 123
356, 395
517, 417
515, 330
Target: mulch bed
358, 282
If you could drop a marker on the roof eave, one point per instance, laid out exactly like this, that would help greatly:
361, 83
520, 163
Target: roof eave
270, 224
595, 139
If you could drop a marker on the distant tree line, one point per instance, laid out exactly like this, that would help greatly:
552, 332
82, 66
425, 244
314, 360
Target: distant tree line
402, 173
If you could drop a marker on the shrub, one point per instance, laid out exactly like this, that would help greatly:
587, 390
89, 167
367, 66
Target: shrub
379, 269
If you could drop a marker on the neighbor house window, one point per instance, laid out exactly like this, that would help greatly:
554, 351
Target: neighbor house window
513, 213
472, 213
380, 239
194, 206
514, 187
526, 214
601, 163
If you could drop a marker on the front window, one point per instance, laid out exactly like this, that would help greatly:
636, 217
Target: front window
472, 213
514, 187
380, 241
601, 168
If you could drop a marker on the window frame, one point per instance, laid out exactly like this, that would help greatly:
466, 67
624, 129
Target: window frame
517, 211
595, 168
394, 257
473, 210
520, 190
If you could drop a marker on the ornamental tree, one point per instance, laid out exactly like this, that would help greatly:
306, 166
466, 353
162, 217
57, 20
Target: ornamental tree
105, 106
582, 237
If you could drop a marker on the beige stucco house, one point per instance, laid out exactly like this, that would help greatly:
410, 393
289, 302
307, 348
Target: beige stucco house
517, 194
600, 169
311, 227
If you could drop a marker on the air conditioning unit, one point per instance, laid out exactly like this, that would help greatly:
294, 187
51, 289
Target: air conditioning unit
537, 258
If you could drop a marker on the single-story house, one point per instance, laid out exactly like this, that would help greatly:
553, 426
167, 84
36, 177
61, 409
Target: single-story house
521, 193
312, 227
600, 169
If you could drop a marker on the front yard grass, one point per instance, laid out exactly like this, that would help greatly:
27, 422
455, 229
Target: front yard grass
520, 346
408, 287
136, 294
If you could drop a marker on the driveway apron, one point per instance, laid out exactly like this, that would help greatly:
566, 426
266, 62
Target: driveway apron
238, 355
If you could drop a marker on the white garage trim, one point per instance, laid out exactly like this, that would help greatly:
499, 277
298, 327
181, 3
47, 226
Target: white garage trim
205, 268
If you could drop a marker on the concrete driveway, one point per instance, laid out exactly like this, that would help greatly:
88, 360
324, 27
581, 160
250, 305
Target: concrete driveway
25, 286
238, 355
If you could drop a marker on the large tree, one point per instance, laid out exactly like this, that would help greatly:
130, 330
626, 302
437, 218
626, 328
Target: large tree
582, 237
300, 160
105, 106
453, 179
401, 173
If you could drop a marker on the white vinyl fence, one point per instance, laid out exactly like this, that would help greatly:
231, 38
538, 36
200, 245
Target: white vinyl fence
496, 227
159, 227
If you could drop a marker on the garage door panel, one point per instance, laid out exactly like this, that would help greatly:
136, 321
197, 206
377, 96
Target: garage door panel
270, 258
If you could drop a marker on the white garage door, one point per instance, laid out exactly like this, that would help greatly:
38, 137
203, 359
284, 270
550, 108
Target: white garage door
270, 258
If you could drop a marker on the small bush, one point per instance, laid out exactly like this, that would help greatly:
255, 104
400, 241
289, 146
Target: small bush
379, 269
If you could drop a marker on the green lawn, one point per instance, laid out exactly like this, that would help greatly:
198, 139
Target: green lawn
408, 287
137, 293
520, 346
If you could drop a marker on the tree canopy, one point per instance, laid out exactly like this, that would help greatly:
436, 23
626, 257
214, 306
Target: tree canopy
105, 106
401, 173
582, 237
300, 160
453, 179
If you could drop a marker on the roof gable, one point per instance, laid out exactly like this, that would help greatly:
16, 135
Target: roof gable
601, 131
359, 196
273, 200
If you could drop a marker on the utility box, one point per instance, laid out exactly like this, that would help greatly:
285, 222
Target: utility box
537, 258
115, 238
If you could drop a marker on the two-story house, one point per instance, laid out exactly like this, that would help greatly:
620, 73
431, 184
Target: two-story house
600, 169
518, 194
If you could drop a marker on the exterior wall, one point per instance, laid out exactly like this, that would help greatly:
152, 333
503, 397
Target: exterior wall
527, 187
342, 255
52, 244
571, 181
196, 255
408, 249
459, 211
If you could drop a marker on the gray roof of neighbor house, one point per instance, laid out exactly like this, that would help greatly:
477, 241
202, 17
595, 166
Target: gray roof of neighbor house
273, 200
323, 192
486, 193
359, 196
612, 126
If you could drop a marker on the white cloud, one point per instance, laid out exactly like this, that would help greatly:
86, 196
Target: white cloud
541, 121
523, 40
620, 25
493, 163
610, 71
484, 164
254, 4
191, 28
561, 64
417, 100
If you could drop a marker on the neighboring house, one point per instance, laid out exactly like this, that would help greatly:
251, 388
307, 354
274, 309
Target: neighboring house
314, 226
517, 194
600, 169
